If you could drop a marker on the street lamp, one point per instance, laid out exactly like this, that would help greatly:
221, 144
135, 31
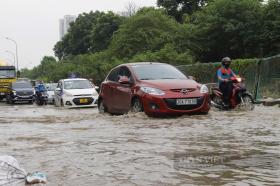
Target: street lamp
12, 55
16, 49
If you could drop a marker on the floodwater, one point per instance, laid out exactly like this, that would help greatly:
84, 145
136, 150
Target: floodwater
80, 147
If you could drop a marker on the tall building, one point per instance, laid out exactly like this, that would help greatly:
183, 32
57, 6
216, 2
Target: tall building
64, 24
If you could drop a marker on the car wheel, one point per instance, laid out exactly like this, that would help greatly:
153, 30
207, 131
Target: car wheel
101, 107
8, 100
136, 106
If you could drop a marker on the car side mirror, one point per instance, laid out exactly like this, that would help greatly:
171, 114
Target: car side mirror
96, 87
124, 80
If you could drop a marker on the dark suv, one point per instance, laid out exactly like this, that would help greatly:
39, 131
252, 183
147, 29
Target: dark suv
20, 91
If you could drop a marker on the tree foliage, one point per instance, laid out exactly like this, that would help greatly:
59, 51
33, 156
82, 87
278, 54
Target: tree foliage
149, 30
91, 32
177, 8
271, 28
227, 28
208, 31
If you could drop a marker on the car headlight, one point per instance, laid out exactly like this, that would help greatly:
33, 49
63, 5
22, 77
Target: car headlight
152, 91
204, 89
14, 92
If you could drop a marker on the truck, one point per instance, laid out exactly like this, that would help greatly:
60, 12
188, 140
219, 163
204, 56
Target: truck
7, 76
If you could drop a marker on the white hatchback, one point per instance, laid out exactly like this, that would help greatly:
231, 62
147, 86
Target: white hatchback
76, 92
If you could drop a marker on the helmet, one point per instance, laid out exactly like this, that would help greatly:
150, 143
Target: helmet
225, 60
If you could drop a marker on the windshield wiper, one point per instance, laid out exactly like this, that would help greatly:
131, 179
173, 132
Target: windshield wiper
146, 79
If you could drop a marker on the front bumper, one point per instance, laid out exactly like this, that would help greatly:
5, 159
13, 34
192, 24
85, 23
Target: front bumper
157, 105
80, 101
22, 98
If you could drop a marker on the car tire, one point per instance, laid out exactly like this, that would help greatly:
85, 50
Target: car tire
101, 107
8, 100
136, 106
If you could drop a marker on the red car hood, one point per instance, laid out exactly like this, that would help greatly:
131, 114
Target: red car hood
167, 84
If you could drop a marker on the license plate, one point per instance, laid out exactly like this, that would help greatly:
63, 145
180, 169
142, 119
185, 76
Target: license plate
186, 101
83, 100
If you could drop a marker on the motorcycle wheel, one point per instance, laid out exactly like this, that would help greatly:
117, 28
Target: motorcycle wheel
247, 102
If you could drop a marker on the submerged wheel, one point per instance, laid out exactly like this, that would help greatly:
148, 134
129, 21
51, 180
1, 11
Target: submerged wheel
136, 106
247, 102
101, 107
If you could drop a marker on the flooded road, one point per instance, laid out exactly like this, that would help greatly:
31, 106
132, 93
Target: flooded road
82, 147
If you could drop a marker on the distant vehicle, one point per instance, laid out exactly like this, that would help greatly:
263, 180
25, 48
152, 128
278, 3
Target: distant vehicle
155, 88
7, 76
20, 91
24, 79
76, 92
50, 91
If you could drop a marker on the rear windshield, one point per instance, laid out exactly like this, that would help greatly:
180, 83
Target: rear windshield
51, 87
21, 85
77, 84
157, 71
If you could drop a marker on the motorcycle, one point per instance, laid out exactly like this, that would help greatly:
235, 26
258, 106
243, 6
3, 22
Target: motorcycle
240, 96
41, 98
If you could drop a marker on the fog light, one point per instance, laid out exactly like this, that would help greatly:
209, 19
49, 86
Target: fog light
68, 103
154, 106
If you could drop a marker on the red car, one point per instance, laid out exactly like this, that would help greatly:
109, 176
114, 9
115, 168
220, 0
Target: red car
155, 88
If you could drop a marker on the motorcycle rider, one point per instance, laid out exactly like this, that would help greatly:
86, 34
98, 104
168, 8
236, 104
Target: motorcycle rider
224, 74
40, 88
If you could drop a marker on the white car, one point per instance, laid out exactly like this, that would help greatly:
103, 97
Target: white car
50, 91
76, 92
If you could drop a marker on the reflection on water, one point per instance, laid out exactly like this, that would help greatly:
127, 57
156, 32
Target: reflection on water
82, 147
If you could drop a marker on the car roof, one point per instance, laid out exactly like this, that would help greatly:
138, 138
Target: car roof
143, 63
73, 79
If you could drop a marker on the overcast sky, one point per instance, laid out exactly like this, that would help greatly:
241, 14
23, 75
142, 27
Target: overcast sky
34, 24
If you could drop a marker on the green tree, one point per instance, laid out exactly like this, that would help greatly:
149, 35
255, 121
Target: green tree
227, 28
177, 8
148, 30
271, 25
103, 30
91, 32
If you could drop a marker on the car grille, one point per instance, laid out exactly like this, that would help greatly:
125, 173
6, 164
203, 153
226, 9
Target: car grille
171, 103
25, 93
77, 101
181, 89
83, 95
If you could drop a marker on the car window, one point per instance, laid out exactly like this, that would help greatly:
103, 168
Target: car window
77, 84
113, 76
124, 71
51, 87
157, 71
21, 85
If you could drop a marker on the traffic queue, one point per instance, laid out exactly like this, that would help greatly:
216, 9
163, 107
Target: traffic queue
154, 88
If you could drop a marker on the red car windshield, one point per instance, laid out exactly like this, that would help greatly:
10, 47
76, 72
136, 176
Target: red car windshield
157, 71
